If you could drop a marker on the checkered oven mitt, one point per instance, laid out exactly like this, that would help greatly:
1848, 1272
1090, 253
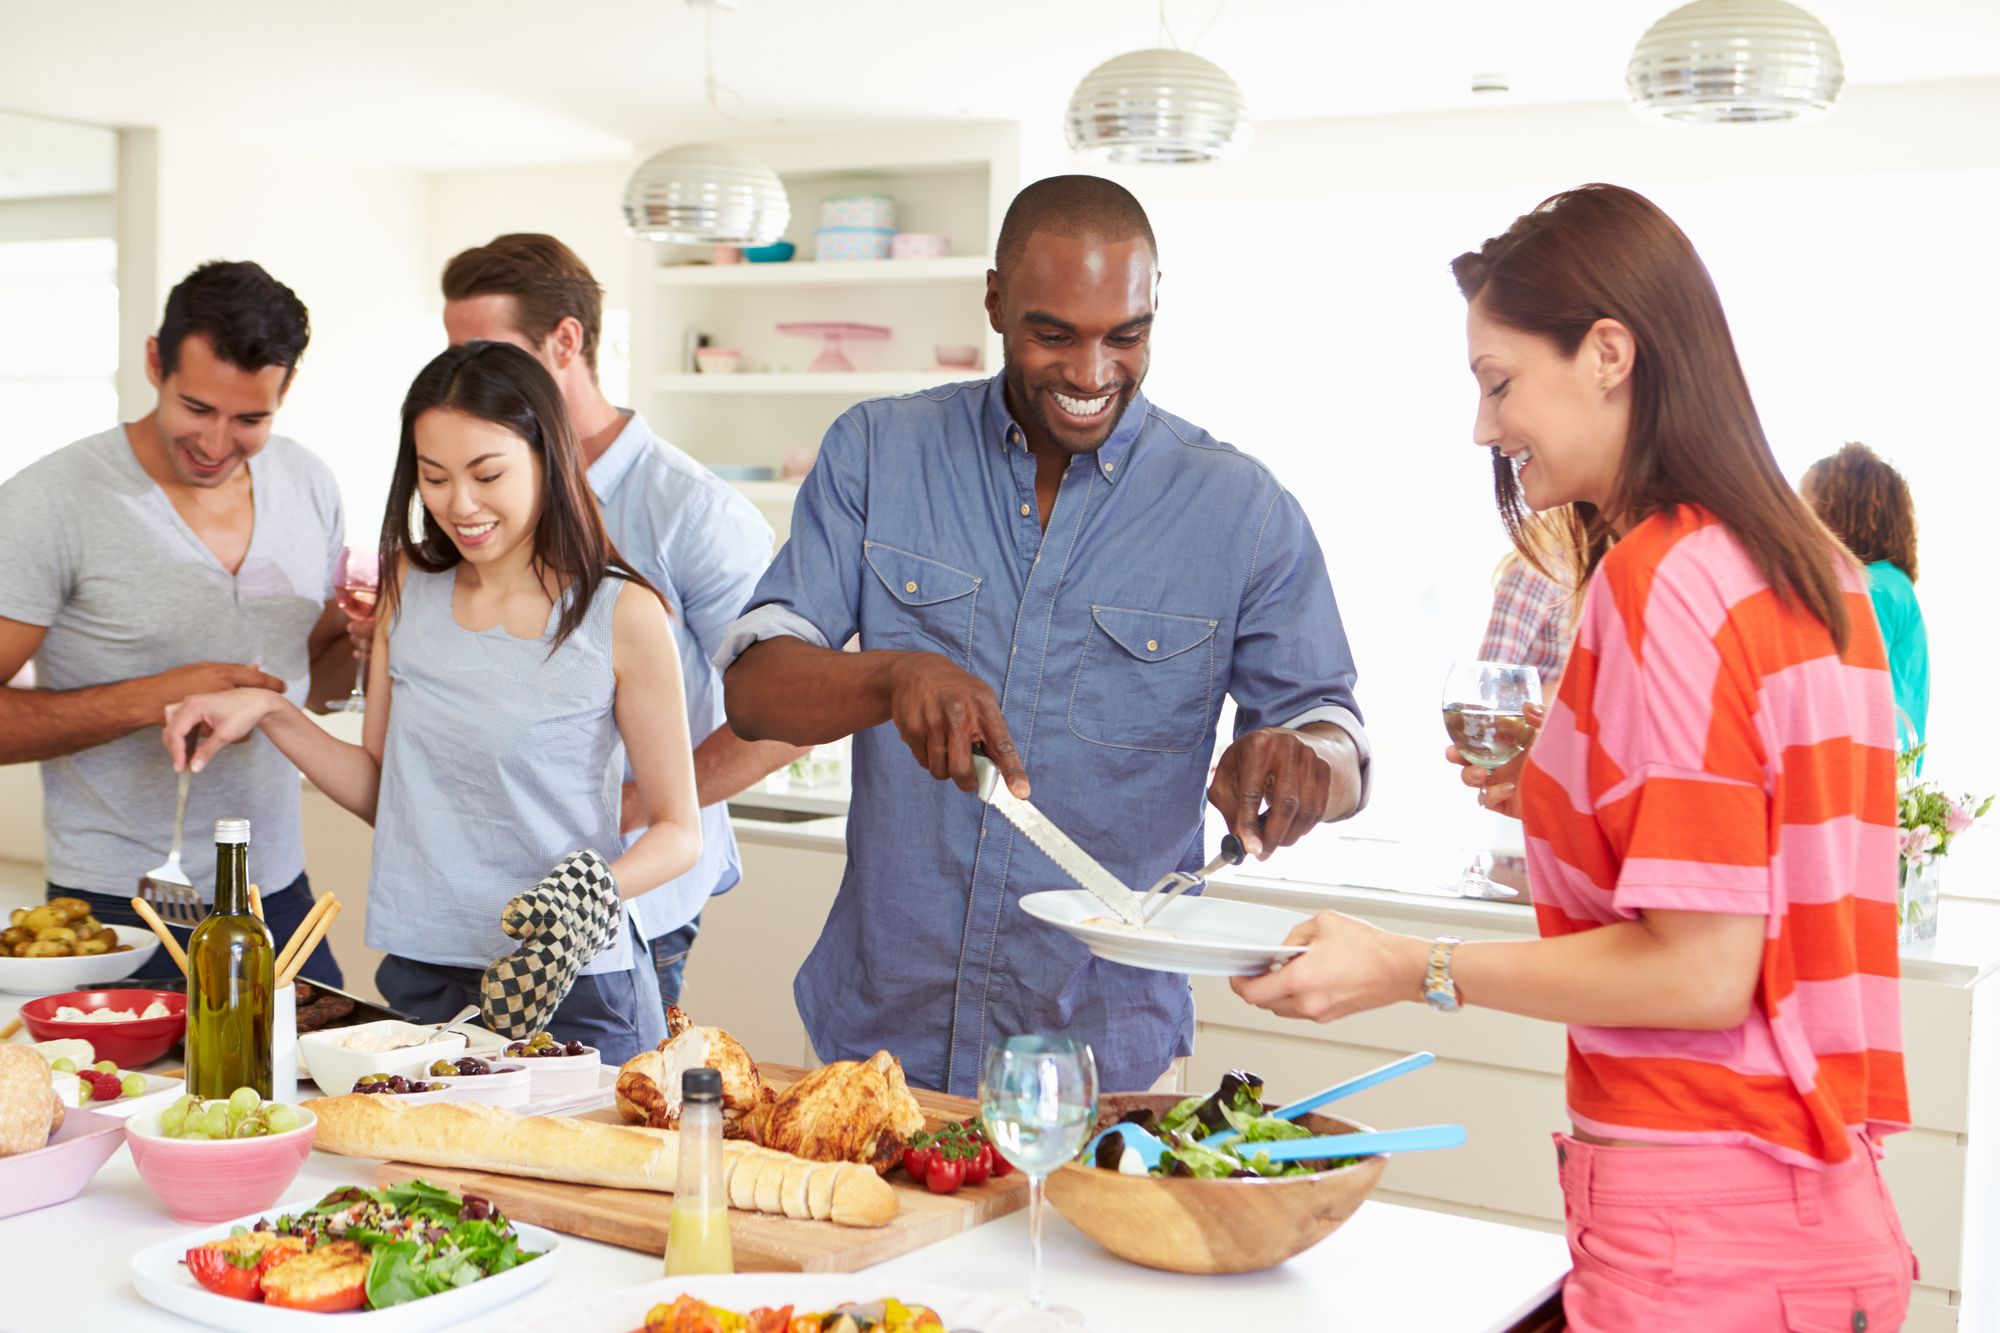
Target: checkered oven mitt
562, 923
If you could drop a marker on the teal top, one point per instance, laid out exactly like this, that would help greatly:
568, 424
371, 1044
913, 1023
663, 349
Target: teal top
1902, 622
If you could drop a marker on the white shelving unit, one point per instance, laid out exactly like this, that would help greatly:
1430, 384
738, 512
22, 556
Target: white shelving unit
799, 272
772, 413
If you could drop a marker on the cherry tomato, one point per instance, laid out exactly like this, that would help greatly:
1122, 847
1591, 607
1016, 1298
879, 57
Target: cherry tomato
1002, 1168
918, 1162
980, 1165
946, 1175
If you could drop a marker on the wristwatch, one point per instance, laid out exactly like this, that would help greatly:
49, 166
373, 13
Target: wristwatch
1440, 991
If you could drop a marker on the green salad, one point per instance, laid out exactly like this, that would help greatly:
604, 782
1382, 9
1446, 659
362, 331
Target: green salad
1237, 1103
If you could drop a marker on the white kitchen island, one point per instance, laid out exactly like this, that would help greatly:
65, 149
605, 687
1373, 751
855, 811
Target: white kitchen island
1501, 1076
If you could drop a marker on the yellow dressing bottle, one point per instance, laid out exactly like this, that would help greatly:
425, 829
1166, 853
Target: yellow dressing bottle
698, 1228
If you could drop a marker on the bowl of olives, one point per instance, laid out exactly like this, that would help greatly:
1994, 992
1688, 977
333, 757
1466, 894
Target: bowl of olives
558, 1068
471, 1079
411, 1091
209, 1161
61, 946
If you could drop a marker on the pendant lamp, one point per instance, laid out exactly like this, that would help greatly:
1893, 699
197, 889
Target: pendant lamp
1735, 62
705, 193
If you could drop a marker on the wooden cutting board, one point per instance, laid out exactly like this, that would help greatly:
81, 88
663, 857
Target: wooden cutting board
637, 1219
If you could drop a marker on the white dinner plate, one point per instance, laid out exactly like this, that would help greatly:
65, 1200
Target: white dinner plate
623, 1310
97, 971
158, 1092
1206, 937
161, 1277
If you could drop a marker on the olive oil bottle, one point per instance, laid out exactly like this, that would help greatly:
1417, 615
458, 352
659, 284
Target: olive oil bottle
230, 982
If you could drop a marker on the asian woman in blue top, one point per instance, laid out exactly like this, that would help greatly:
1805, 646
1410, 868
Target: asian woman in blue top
515, 653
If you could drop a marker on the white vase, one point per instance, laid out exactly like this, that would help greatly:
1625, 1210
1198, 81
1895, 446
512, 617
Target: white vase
1916, 900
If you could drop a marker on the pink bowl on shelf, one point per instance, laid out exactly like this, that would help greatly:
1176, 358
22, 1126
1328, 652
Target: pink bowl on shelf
130, 1045
58, 1172
213, 1180
919, 245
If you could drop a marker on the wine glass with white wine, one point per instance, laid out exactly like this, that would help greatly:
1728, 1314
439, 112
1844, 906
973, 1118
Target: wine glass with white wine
1038, 1097
1485, 714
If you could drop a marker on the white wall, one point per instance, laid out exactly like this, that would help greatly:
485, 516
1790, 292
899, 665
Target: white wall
351, 240
1308, 314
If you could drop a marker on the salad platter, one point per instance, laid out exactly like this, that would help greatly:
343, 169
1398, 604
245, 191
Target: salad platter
390, 1261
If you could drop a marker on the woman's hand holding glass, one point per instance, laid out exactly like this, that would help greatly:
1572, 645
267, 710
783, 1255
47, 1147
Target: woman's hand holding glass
1500, 788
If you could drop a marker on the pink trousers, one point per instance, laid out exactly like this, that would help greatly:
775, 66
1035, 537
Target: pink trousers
1730, 1240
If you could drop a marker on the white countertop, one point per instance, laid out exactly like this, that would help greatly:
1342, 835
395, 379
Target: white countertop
1389, 1268
1966, 949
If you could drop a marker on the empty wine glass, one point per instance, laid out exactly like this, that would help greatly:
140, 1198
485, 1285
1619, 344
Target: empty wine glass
1485, 714
357, 580
1038, 1096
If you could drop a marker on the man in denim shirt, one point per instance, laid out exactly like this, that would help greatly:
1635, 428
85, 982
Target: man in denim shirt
1049, 567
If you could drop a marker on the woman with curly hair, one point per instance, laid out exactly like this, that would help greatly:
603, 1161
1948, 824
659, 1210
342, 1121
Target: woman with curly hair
1867, 504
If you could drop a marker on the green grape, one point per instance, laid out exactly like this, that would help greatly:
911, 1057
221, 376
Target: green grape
248, 1129
132, 1085
83, 1093
173, 1120
194, 1134
65, 1065
283, 1119
244, 1100
215, 1120
105, 1067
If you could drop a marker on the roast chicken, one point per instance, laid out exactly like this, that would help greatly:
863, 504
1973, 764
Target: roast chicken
649, 1084
849, 1111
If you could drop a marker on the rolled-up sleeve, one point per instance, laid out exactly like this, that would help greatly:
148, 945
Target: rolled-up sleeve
1291, 664
812, 590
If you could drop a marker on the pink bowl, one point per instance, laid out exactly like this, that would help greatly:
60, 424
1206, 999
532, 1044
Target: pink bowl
57, 1173
129, 1045
213, 1180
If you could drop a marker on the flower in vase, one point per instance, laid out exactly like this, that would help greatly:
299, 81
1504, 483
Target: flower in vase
1958, 819
1917, 843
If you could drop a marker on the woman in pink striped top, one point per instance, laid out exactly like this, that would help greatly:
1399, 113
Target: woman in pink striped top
1709, 810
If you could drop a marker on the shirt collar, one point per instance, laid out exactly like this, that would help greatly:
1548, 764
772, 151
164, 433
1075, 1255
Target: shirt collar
1111, 456
612, 465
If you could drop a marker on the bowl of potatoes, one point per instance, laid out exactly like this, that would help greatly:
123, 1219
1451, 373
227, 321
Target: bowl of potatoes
60, 946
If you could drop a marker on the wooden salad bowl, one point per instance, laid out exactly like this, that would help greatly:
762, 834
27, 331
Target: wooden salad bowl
1209, 1226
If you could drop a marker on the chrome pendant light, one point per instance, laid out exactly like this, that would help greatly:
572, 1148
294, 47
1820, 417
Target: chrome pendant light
1156, 106
1735, 62
705, 193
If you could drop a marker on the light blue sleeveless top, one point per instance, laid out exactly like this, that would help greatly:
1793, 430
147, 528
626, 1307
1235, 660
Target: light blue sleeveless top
501, 759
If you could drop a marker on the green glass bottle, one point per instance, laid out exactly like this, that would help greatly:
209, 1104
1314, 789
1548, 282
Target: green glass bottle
230, 982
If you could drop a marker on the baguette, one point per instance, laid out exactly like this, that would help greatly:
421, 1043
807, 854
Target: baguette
583, 1152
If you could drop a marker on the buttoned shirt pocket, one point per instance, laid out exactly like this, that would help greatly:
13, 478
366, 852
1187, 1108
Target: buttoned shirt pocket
927, 606
1145, 680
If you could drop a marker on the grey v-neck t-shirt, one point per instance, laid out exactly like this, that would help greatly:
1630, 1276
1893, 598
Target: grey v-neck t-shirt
91, 548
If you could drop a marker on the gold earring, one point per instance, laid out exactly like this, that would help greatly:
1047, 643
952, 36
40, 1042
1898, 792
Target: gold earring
1604, 386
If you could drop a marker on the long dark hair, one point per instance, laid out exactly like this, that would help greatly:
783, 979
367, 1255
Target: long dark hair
499, 383
1867, 504
1604, 252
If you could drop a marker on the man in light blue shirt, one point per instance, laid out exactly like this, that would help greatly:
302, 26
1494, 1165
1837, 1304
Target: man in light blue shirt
1045, 565
693, 536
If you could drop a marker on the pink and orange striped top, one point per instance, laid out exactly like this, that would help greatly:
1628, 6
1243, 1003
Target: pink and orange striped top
1711, 751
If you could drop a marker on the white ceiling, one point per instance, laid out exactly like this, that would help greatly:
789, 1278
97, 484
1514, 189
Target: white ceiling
466, 83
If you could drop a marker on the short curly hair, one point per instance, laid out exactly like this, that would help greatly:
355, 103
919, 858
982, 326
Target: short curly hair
1867, 504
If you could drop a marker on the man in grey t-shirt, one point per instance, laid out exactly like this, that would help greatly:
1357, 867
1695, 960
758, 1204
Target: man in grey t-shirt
188, 551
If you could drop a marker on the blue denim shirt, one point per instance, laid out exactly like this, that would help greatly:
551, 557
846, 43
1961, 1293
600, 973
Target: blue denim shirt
1174, 571
702, 544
